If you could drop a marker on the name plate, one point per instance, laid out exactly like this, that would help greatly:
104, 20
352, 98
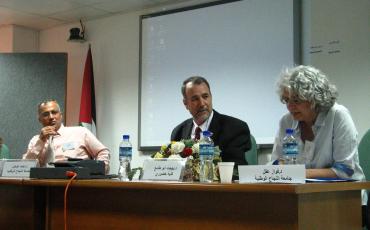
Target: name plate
17, 168
163, 169
289, 174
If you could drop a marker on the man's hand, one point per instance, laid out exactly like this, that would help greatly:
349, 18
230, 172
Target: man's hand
46, 132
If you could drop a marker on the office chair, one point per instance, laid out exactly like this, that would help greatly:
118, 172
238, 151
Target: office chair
251, 155
364, 157
4, 152
364, 154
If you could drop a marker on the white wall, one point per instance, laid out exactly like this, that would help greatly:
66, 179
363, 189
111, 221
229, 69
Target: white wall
344, 27
25, 39
115, 44
6, 39
15, 38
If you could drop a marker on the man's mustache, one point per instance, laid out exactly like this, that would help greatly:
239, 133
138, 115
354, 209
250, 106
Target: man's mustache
202, 110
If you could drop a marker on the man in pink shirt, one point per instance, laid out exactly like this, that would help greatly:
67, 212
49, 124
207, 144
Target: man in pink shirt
58, 143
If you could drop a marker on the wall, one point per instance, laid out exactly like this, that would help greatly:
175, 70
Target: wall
336, 39
25, 39
115, 50
18, 39
6, 39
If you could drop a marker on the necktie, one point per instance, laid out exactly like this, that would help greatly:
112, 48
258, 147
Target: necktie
197, 133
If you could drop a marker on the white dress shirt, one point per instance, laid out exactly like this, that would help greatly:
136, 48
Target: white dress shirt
203, 126
72, 142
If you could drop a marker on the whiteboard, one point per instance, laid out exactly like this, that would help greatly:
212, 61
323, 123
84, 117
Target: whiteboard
239, 47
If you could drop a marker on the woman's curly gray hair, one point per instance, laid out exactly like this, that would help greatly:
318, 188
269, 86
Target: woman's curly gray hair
308, 84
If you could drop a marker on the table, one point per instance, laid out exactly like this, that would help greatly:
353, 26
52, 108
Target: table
111, 204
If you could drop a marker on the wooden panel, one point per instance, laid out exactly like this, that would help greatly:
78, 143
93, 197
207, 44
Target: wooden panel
211, 187
108, 204
150, 209
330, 210
22, 207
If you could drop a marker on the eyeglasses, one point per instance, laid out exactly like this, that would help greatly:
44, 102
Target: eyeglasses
292, 101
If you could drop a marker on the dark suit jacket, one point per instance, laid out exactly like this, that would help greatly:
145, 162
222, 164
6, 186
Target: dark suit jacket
230, 134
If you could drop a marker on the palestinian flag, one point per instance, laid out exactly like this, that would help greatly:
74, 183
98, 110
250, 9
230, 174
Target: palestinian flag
87, 106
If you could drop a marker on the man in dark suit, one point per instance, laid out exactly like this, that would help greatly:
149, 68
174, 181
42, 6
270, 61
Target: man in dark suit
230, 134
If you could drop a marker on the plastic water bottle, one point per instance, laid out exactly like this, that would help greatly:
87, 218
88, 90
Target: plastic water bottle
290, 147
206, 153
125, 156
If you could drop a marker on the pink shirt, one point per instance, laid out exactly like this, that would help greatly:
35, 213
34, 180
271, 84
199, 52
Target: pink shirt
72, 142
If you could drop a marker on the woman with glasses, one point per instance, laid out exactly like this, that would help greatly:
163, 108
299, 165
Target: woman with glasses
325, 131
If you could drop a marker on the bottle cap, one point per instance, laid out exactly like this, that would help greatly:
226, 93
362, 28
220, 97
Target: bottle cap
126, 137
289, 131
207, 133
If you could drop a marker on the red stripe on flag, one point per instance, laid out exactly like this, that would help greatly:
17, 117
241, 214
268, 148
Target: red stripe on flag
87, 106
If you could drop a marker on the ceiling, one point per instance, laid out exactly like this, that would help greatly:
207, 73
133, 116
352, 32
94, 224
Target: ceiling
44, 14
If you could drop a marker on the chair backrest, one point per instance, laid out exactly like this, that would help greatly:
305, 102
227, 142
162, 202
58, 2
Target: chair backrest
251, 155
4, 152
364, 154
